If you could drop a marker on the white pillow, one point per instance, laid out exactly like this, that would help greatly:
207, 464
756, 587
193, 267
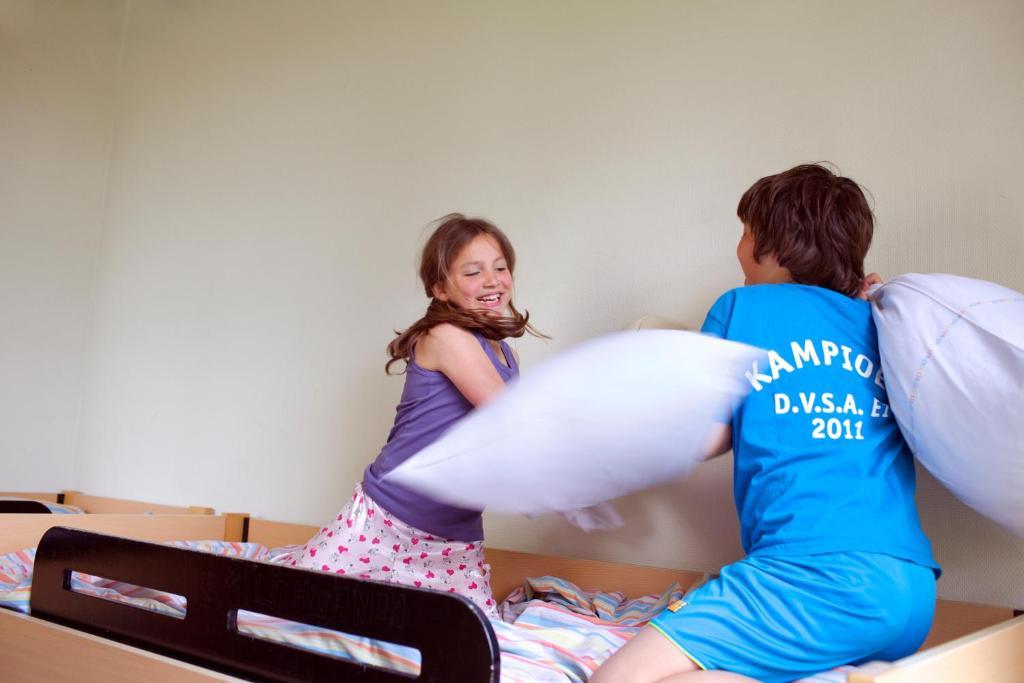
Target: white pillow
952, 353
611, 416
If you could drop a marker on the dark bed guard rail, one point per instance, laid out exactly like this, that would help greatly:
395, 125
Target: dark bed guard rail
22, 505
455, 640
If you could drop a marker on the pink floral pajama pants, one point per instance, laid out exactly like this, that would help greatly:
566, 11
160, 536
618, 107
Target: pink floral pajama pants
365, 541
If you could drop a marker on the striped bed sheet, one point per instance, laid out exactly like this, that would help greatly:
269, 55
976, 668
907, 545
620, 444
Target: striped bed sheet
550, 630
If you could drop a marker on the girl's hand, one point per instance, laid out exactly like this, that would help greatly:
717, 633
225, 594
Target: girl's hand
870, 281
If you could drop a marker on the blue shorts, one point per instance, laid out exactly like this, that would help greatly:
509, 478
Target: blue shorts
778, 619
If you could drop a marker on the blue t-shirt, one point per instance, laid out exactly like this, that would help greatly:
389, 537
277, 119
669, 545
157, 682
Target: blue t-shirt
820, 464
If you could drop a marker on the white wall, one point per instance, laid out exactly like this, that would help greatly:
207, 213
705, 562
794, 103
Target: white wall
57, 66
275, 163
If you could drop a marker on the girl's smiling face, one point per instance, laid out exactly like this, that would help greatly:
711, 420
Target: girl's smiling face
478, 278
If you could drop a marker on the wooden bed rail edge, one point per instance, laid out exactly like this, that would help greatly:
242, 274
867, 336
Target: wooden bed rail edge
95, 658
32, 495
1000, 645
109, 505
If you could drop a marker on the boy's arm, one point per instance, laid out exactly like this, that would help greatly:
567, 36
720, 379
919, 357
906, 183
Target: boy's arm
716, 325
721, 441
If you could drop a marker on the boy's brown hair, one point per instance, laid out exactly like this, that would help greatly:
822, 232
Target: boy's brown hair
817, 224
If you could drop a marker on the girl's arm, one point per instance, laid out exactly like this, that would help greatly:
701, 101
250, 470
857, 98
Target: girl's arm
869, 281
456, 352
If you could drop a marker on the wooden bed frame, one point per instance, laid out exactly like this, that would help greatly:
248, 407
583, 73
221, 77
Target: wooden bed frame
967, 642
18, 531
102, 505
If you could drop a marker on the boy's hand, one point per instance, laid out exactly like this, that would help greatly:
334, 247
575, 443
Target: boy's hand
870, 281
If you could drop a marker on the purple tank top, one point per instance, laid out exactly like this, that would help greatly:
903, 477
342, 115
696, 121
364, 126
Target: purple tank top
430, 405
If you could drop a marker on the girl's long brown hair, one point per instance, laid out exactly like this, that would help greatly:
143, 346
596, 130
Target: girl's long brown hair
454, 232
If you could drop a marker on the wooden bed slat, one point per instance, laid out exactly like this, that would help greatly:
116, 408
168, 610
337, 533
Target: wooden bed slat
117, 506
454, 637
234, 526
48, 497
277, 534
511, 568
24, 531
102, 505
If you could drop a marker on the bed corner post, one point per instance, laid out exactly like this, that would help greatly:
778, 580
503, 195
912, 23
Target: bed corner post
236, 526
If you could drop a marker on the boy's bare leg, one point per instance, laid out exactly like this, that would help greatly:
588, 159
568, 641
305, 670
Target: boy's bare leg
650, 657
707, 677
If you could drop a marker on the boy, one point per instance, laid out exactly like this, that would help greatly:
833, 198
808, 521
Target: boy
837, 569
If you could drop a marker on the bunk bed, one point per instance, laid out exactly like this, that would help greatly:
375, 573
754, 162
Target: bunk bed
113, 642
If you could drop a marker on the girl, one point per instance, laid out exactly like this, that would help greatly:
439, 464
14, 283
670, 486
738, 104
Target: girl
455, 359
